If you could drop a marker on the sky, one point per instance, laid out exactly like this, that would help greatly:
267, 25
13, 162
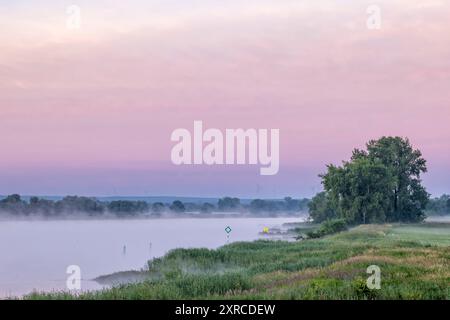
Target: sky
90, 111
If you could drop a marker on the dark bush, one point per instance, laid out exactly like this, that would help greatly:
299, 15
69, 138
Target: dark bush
328, 227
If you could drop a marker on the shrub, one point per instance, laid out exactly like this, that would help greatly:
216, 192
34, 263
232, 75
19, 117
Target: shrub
362, 291
328, 227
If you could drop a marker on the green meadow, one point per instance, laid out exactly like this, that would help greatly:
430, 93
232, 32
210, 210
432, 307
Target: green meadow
414, 260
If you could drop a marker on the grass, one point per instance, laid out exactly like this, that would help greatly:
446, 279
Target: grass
414, 262
429, 233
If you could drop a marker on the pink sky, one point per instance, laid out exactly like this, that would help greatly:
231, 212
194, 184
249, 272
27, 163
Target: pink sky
90, 111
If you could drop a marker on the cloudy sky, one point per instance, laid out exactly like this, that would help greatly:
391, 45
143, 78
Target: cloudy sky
90, 110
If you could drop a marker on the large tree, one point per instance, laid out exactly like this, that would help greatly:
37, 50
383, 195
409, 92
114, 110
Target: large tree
357, 190
379, 184
320, 208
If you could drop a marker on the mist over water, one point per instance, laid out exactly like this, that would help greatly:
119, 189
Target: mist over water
34, 255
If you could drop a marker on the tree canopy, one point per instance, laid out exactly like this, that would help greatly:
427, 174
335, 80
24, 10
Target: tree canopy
379, 184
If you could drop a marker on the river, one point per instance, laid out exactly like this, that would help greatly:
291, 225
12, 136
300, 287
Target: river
34, 255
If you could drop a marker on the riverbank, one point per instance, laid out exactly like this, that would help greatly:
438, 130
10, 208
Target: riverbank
414, 261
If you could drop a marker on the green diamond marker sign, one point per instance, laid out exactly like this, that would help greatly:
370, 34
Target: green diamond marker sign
228, 229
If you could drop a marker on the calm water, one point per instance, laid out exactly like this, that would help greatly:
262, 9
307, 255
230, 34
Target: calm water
35, 254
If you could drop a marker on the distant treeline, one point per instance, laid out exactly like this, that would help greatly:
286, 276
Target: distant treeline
73, 205
439, 206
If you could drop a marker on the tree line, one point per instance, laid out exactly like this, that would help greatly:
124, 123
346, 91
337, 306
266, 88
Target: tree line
73, 205
439, 206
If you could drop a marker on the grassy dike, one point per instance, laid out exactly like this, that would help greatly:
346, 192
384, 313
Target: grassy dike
414, 262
